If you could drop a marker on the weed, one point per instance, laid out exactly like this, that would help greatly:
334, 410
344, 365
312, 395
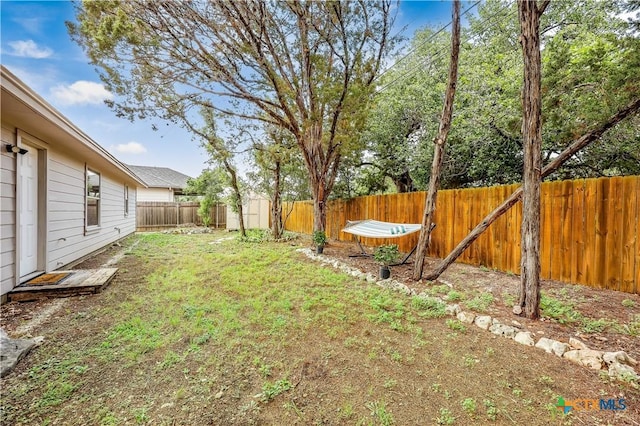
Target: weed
469, 406
428, 307
492, 410
439, 290
346, 411
596, 326
379, 411
271, 390
456, 325
290, 405
454, 296
628, 303
448, 395
436, 387
445, 417
517, 392
545, 380
480, 303
141, 416
390, 383
470, 361
509, 299
558, 310
396, 356
490, 351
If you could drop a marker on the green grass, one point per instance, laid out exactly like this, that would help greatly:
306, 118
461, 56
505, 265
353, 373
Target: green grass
192, 333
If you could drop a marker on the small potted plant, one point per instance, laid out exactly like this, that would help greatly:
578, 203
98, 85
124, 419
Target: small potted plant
385, 256
319, 239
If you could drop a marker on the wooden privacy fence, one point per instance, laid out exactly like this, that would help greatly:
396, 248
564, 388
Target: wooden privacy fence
155, 215
589, 227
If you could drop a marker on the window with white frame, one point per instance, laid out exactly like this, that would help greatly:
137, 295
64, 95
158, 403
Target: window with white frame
92, 213
126, 200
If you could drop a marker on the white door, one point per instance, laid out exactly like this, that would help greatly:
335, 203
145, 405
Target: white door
28, 169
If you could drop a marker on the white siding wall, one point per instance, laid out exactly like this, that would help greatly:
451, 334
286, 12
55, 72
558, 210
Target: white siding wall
7, 212
155, 194
66, 237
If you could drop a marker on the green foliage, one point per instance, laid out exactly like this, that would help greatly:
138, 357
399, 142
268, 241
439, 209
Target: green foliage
456, 325
480, 303
319, 238
446, 417
591, 69
210, 186
429, 307
271, 390
380, 413
386, 255
469, 406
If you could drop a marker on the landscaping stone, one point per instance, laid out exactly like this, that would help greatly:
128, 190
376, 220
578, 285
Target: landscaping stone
483, 321
559, 348
546, 344
620, 357
524, 338
587, 357
503, 330
452, 309
623, 372
466, 317
577, 344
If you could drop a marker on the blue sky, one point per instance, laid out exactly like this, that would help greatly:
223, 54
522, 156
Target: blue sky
36, 47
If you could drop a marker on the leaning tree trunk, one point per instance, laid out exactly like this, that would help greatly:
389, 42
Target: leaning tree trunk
440, 140
529, 299
554, 165
237, 196
276, 204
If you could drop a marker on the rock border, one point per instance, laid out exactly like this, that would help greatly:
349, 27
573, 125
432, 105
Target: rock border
618, 364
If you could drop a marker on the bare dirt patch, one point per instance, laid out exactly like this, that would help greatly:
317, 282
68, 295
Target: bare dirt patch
617, 308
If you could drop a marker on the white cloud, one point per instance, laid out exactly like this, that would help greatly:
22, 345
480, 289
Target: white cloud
130, 148
29, 49
81, 92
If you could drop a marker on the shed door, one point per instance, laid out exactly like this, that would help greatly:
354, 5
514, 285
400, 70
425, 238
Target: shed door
28, 208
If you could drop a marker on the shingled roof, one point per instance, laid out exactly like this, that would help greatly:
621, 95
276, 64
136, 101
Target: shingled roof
160, 177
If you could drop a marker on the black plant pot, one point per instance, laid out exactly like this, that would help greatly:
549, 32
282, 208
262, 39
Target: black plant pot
319, 249
385, 272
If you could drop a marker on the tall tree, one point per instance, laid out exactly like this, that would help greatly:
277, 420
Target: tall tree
305, 66
440, 140
529, 300
274, 158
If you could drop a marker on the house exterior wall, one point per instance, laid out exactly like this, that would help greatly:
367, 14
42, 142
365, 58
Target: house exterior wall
66, 237
7, 213
155, 194
64, 234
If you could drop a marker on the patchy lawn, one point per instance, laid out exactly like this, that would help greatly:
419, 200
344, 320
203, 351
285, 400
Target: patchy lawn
194, 331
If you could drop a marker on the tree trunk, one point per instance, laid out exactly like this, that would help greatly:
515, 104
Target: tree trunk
576, 146
237, 196
276, 204
529, 299
440, 140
